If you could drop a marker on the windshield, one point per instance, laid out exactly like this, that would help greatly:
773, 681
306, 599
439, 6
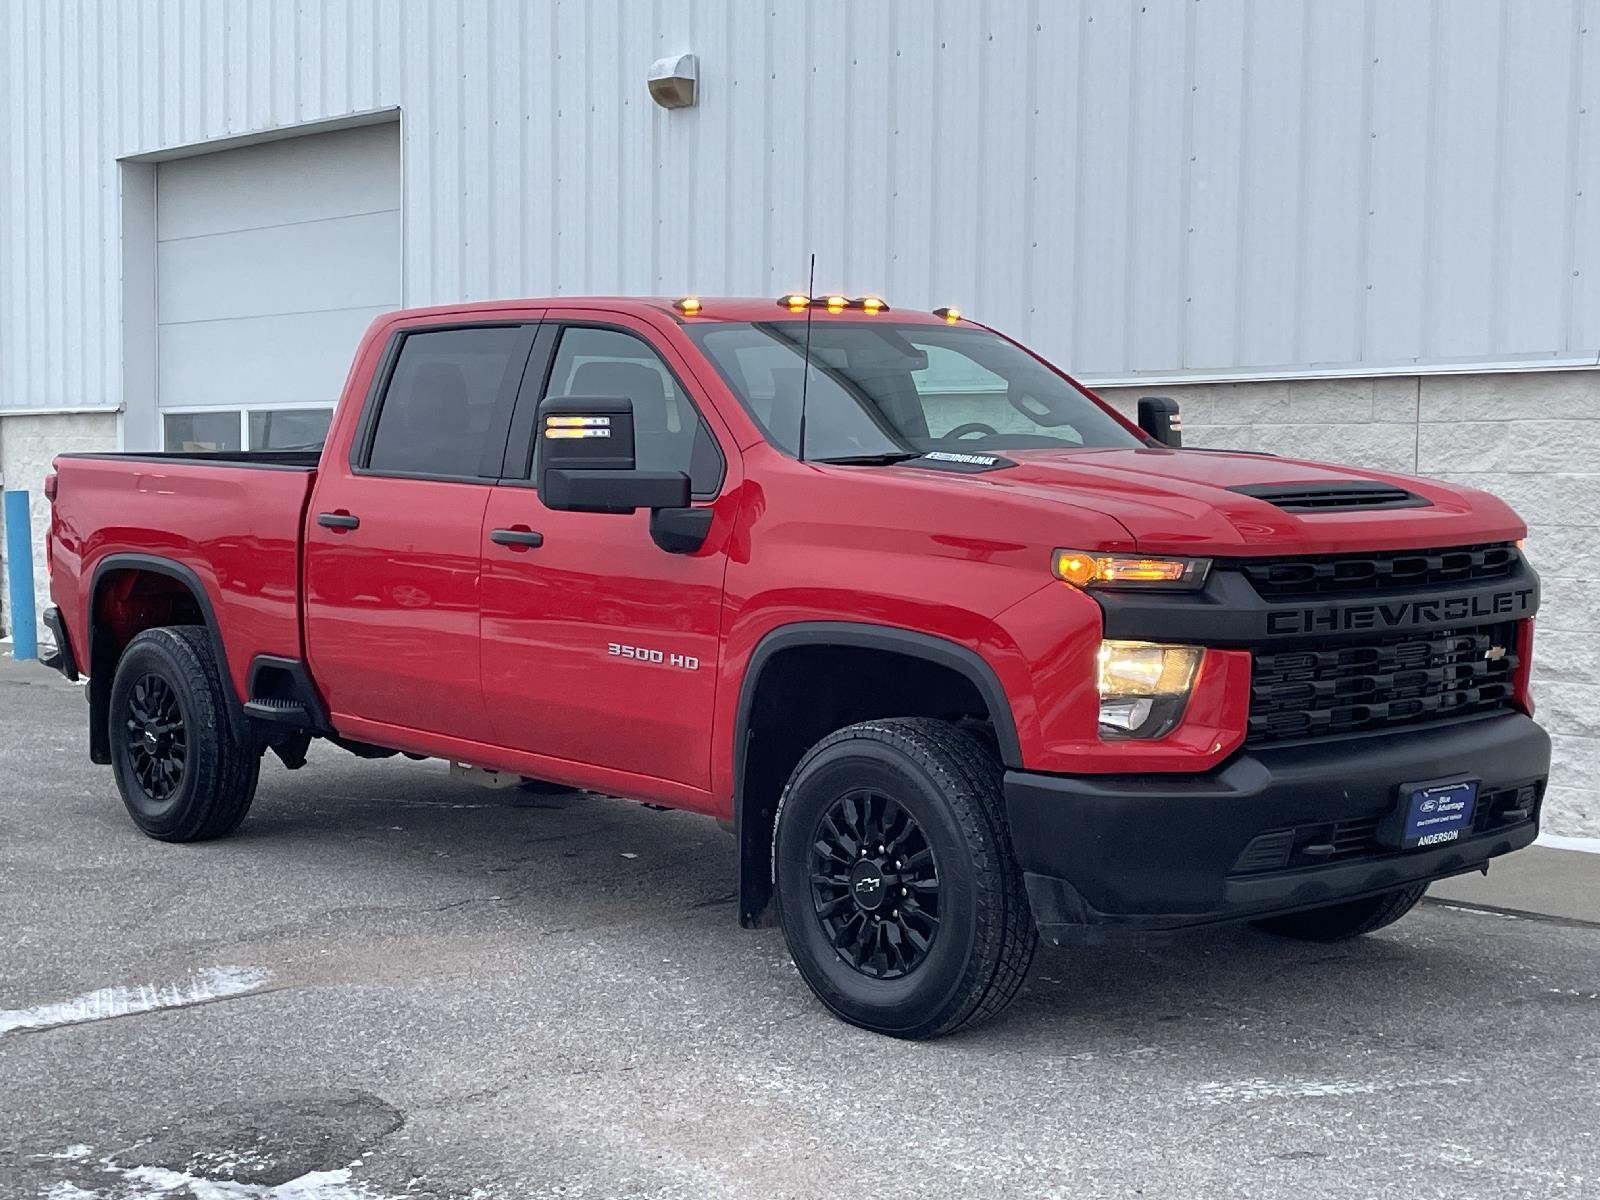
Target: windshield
886, 391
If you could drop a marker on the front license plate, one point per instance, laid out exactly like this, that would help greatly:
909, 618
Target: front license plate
1436, 813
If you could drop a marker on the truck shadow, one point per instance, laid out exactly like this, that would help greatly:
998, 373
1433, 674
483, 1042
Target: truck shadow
560, 864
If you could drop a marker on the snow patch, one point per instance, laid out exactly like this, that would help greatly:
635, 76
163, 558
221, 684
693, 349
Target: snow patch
158, 1183
1246, 1090
212, 983
1482, 912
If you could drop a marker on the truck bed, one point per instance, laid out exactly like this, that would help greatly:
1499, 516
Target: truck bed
227, 524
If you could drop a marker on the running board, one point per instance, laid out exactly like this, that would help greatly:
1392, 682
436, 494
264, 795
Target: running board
288, 712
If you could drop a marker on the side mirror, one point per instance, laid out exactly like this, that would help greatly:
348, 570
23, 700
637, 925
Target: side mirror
586, 461
1159, 417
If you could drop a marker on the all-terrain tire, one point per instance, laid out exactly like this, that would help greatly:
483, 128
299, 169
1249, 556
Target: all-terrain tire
947, 783
184, 772
1337, 922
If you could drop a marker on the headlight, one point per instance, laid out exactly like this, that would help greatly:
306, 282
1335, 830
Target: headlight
1145, 572
1144, 687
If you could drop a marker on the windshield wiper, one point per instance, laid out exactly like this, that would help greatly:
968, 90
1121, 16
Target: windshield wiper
870, 460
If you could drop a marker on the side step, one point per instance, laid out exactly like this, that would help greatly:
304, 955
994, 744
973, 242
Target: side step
290, 712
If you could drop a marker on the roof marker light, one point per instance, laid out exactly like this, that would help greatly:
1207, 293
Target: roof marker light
689, 306
950, 314
795, 302
837, 303
871, 305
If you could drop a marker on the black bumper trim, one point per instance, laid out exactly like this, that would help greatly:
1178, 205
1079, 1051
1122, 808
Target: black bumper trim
1117, 854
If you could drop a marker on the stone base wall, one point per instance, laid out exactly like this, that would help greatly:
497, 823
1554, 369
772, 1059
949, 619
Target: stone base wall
1532, 438
27, 447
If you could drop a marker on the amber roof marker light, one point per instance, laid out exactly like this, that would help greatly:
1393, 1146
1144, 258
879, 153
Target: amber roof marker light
834, 303
689, 306
949, 314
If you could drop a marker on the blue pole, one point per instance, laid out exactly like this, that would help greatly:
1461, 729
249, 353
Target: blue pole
19, 571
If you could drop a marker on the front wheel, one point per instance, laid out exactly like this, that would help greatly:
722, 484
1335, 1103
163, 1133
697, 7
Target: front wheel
183, 773
1337, 922
896, 886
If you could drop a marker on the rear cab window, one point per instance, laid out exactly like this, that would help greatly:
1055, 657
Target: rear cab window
446, 405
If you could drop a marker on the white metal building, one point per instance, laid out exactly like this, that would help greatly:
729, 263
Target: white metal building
1367, 232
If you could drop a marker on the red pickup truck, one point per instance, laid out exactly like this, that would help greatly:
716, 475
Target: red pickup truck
964, 656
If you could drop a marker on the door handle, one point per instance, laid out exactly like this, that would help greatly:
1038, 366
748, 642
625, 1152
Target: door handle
517, 539
338, 520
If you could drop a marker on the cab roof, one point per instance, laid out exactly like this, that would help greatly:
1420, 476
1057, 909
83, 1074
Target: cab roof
712, 309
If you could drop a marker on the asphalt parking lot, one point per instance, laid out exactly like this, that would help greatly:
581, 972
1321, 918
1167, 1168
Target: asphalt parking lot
393, 984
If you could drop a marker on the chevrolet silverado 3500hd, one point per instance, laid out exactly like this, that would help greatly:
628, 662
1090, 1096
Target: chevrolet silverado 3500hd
965, 656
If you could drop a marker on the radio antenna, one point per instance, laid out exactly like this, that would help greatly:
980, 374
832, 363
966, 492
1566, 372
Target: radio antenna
805, 374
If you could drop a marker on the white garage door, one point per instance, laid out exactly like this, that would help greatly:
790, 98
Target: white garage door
270, 262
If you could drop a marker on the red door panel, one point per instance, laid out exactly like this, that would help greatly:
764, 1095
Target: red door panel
392, 605
599, 647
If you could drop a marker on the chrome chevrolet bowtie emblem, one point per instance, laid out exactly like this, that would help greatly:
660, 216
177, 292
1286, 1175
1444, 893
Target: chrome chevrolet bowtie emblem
1495, 653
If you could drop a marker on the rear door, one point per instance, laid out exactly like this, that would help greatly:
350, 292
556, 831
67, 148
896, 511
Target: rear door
392, 544
599, 647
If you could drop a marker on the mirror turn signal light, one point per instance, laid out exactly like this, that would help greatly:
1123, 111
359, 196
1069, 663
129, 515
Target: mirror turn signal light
577, 427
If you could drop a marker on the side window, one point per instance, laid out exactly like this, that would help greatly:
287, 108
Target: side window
439, 413
668, 434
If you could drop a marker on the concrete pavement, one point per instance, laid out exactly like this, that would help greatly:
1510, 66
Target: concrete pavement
1539, 881
393, 985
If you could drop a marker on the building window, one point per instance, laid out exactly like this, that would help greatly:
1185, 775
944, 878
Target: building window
290, 428
185, 431
236, 429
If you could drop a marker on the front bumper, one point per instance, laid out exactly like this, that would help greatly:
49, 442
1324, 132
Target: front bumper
1114, 855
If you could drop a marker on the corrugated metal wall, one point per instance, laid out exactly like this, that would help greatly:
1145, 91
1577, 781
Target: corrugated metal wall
1169, 187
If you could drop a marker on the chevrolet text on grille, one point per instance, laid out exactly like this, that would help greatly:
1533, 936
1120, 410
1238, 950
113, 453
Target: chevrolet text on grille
1401, 614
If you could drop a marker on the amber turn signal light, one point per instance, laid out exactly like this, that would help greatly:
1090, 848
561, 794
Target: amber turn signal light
1084, 570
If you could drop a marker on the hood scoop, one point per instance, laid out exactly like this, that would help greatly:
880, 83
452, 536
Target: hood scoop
1331, 497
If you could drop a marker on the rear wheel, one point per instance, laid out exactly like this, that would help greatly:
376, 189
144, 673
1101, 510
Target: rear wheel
896, 886
1336, 922
183, 772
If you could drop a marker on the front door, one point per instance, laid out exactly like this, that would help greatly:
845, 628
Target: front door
392, 552
598, 647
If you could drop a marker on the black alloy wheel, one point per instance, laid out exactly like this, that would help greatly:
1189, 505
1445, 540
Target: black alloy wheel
157, 738
875, 884
894, 878
186, 770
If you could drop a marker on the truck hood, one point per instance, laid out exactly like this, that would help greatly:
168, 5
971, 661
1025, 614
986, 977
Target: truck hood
1185, 501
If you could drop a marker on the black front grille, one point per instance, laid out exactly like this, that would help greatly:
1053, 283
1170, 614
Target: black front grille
1380, 571
1332, 688
1344, 841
